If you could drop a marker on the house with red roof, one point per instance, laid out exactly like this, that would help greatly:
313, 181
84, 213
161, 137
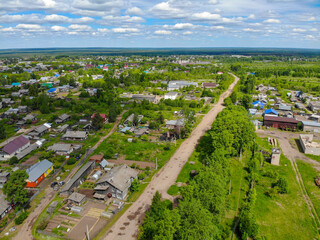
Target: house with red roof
14, 147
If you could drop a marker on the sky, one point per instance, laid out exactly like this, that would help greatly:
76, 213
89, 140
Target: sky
149, 23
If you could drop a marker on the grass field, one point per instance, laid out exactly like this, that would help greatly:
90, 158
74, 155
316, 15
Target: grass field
286, 216
308, 174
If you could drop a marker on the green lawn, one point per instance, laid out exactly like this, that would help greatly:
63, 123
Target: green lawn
137, 150
308, 174
286, 216
184, 175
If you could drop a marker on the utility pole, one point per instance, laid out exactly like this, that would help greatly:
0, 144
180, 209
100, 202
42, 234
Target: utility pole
156, 163
88, 236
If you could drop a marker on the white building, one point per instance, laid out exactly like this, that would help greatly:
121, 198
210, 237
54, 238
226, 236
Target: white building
171, 95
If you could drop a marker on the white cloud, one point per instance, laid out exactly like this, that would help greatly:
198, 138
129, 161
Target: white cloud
165, 10
272, 20
299, 30
162, 32
179, 26
213, 1
134, 11
310, 37
119, 20
206, 16
56, 18
25, 18
80, 28
187, 33
217, 27
251, 16
251, 30
103, 30
58, 28
9, 29
29, 26
125, 30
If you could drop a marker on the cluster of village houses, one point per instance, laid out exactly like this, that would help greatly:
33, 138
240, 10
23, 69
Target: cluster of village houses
110, 182
287, 116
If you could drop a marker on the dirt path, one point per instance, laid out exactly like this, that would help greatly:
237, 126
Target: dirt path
293, 154
25, 231
127, 225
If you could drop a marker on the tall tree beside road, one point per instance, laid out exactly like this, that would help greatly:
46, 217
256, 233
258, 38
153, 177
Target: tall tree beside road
15, 190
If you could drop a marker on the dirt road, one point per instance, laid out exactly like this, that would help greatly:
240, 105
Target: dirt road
293, 154
127, 226
25, 231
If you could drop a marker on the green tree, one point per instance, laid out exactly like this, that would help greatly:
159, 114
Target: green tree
13, 160
282, 184
196, 221
15, 190
3, 133
97, 121
135, 185
246, 101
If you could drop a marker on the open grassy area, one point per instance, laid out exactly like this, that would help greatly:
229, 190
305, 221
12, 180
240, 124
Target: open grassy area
286, 216
308, 174
137, 150
184, 175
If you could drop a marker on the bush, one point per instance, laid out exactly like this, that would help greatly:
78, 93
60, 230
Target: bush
42, 225
271, 174
167, 147
21, 218
71, 161
282, 184
13, 160
142, 176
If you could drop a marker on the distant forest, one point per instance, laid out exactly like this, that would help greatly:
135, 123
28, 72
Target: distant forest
160, 51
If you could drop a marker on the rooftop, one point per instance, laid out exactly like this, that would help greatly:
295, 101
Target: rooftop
38, 169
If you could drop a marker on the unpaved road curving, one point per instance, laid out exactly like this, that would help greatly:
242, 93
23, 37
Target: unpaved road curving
127, 226
25, 231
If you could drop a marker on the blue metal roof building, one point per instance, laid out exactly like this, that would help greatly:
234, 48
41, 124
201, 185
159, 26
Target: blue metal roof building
51, 90
271, 111
258, 103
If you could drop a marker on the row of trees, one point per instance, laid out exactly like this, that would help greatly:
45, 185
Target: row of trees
204, 199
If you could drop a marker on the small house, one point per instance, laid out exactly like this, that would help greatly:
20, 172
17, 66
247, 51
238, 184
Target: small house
275, 156
62, 118
280, 122
61, 148
38, 172
76, 198
5, 206
4, 177
171, 95
97, 158
75, 136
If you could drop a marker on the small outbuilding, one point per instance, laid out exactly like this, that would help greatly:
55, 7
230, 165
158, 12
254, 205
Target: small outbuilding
76, 198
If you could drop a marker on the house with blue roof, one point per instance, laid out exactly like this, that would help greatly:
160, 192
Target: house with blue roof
52, 90
258, 104
271, 112
57, 75
15, 84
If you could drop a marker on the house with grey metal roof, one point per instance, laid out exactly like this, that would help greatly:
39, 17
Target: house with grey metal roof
314, 106
175, 123
75, 136
62, 118
37, 172
5, 206
117, 181
77, 179
4, 177
309, 126
39, 131
61, 148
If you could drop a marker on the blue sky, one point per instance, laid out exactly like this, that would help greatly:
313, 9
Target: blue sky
149, 23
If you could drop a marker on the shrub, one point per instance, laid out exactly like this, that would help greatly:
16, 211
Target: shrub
21, 218
142, 176
282, 184
71, 161
42, 225
13, 160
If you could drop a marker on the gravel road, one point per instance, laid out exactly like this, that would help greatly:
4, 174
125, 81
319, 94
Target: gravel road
127, 226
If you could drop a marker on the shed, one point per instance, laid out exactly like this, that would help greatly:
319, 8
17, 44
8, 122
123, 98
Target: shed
76, 198
275, 156
97, 158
